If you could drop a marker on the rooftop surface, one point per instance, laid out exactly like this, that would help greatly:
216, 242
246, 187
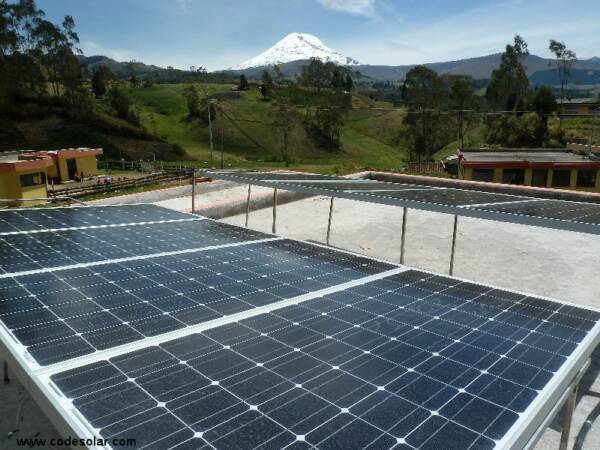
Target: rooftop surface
532, 156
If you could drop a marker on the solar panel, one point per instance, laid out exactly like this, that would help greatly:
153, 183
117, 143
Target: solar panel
43, 251
59, 315
557, 214
196, 334
413, 360
39, 219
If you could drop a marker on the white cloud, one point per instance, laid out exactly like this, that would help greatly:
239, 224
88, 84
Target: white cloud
359, 7
183, 4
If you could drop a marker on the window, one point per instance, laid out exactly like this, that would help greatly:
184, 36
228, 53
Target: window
513, 176
586, 178
33, 179
539, 177
483, 175
561, 178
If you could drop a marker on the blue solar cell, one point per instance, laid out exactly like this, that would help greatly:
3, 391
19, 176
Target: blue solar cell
322, 373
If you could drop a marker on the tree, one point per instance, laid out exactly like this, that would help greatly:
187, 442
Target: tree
349, 83
267, 86
337, 79
192, 100
243, 85
461, 99
123, 105
284, 117
564, 62
424, 93
278, 75
508, 87
544, 104
317, 74
100, 78
329, 123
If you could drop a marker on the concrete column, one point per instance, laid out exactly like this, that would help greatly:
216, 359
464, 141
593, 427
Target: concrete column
528, 177
573, 181
498, 175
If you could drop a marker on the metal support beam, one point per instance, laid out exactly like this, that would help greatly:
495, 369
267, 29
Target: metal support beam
193, 191
568, 418
329, 221
5, 372
248, 205
403, 237
451, 271
274, 226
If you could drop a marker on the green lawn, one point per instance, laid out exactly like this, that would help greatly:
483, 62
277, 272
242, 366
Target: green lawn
250, 140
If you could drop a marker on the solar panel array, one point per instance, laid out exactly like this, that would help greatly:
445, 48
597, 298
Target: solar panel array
558, 214
254, 341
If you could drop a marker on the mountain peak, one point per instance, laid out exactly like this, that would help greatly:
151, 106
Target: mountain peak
295, 47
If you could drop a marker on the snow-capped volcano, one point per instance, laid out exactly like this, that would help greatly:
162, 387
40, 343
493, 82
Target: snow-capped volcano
294, 47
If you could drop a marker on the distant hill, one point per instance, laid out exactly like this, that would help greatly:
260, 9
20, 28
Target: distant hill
540, 70
537, 68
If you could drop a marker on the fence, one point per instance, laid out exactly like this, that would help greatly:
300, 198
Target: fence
426, 167
163, 177
143, 166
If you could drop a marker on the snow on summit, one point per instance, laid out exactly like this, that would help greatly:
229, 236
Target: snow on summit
294, 47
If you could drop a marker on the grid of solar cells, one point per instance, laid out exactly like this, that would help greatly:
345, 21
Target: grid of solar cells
23, 252
559, 214
22, 220
410, 361
69, 313
554, 209
447, 196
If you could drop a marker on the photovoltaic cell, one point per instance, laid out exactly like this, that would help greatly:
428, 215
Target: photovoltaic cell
558, 214
34, 219
64, 314
23, 252
554, 209
410, 361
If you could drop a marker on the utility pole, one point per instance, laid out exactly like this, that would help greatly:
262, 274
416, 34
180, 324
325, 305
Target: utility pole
593, 135
210, 128
222, 146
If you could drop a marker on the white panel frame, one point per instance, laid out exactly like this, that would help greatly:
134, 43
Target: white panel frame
463, 210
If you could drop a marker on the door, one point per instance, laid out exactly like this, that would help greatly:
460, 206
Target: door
71, 167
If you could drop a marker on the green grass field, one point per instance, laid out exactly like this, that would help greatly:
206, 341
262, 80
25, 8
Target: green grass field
251, 141
244, 127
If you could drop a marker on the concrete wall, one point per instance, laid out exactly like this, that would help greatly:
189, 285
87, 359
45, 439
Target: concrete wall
467, 174
10, 186
87, 165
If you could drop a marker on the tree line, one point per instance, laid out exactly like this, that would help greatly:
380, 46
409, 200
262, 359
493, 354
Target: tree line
441, 108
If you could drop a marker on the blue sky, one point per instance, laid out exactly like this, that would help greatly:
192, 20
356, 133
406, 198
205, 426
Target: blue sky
218, 34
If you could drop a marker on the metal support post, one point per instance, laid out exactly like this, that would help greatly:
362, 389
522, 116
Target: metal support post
5, 372
568, 418
403, 237
210, 133
193, 191
451, 271
274, 227
248, 205
329, 220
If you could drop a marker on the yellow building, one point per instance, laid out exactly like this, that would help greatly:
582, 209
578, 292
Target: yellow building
580, 107
23, 176
551, 168
71, 162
